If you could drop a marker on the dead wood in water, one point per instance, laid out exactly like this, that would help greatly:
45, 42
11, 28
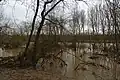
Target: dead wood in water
9, 62
45, 48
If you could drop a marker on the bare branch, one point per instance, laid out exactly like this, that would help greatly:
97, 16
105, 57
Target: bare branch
53, 7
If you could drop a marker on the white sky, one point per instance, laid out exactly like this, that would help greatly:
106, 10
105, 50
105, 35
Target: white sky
17, 11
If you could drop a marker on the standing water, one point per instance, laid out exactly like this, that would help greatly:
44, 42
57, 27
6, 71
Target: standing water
5, 53
79, 64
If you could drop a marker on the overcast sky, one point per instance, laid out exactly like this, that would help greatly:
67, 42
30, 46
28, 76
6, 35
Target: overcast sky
17, 11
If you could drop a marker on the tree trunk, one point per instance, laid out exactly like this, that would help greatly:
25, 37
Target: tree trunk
23, 56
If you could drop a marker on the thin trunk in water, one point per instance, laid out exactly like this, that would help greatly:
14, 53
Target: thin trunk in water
23, 56
44, 13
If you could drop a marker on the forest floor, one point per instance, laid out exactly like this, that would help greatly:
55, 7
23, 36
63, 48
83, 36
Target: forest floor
30, 74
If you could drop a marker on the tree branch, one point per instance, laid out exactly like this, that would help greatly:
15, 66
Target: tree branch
44, 8
52, 7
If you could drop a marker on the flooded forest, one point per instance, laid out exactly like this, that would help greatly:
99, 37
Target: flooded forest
59, 40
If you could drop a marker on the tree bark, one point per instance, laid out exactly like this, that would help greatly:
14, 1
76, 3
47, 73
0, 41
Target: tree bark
44, 13
33, 23
23, 56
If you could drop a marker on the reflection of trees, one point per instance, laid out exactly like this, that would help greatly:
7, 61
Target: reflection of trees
101, 19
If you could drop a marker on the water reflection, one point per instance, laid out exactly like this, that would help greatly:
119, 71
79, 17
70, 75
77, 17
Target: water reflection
80, 64
75, 59
8, 52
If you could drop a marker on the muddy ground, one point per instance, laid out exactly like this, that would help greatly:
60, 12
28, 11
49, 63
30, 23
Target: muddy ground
30, 74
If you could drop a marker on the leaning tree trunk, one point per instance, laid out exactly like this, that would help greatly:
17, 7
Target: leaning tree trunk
44, 13
23, 56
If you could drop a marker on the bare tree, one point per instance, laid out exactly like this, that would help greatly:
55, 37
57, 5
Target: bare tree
113, 7
44, 13
33, 23
82, 19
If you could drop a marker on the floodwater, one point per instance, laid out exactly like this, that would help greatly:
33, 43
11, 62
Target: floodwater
79, 65
4, 53
73, 59
9, 52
